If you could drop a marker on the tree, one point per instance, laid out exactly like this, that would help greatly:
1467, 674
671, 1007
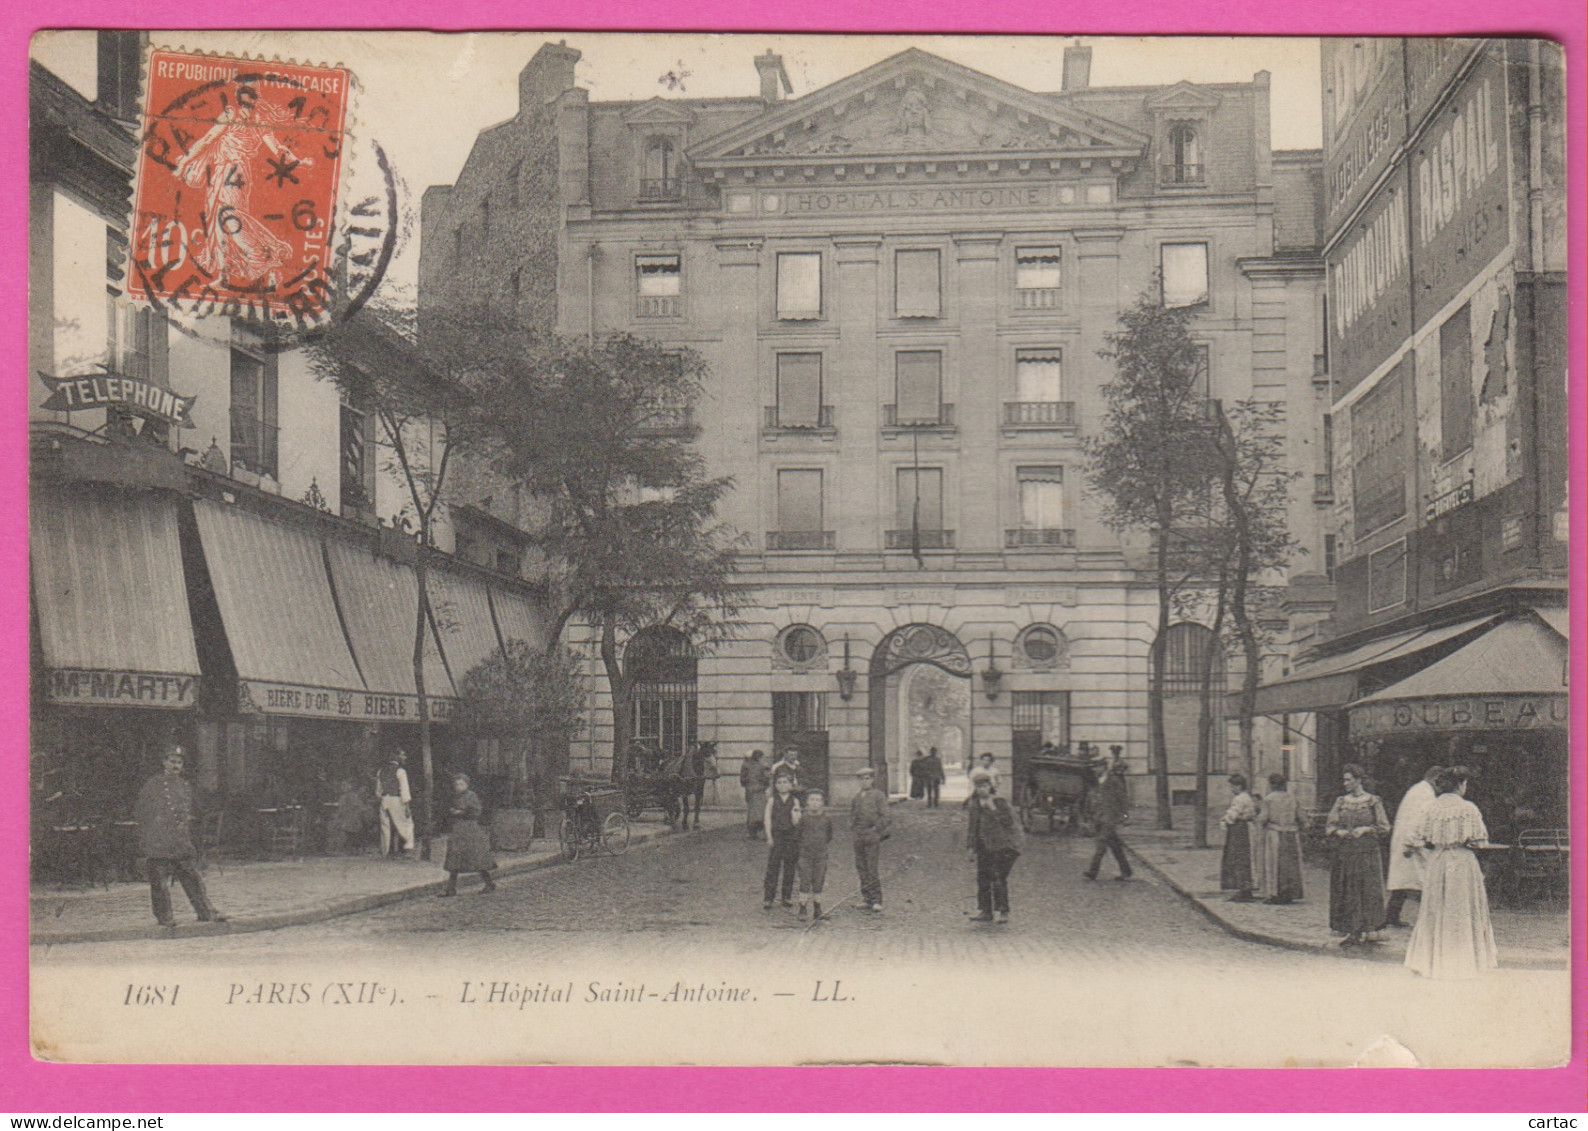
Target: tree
530, 700
1153, 470
599, 431
426, 416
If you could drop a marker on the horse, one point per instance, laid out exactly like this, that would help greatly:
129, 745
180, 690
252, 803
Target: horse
684, 778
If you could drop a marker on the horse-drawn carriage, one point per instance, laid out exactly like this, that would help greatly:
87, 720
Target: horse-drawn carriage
1058, 786
671, 784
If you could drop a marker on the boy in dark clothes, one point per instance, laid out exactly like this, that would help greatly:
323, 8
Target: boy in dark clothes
816, 833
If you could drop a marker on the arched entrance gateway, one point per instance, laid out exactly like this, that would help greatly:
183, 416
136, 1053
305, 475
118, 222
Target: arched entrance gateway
662, 663
919, 696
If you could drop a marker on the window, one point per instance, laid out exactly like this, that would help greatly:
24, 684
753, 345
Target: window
1037, 277
917, 284
923, 486
799, 390
799, 286
1038, 376
660, 179
1042, 644
254, 412
356, 463
658, 282
1386, 577
801, 644
1331, 555
1455, 383
1185, 649
1185, 273
1185, 156
514, 175
1378, 454
919, 387
1041, 498
485, 218
794, 712
1202, 378
799, 510
1045, 714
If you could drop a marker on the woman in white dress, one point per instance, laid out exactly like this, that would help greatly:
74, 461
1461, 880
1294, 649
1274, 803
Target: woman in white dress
1453, 938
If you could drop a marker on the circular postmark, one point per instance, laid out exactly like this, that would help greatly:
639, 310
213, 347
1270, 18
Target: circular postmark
252, 201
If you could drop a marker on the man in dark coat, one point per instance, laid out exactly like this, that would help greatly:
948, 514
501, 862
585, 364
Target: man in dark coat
1110, 803
164, 812
868, 824
932, 777
756, 778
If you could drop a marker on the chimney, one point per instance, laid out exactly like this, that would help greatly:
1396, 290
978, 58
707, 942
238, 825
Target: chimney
547, 75
1077, 68
774, 79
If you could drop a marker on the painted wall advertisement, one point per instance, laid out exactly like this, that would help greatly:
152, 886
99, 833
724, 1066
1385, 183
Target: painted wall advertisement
1460, 189
1370, 301
1365, 118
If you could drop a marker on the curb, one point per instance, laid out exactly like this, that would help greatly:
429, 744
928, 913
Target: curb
1361, 955
323, 912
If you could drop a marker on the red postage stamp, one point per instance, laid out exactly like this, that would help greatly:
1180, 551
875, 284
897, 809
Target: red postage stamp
239, 165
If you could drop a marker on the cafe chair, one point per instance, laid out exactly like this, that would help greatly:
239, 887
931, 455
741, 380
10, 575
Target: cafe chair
287, 831
1541, 859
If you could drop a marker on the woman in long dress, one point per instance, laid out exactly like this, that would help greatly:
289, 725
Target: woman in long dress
1235, 867
1453, 938
1281, 825
468, 843
1356, 824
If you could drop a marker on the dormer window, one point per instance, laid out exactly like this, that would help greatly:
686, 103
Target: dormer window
1184, 165
660, 179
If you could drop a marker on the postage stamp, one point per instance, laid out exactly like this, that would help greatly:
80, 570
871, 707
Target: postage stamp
238, 170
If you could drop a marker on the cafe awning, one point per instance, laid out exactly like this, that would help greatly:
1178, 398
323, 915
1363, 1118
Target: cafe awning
461, 608
378, 598
1333, 682
111, 597
279, 613
1557, 618
518, 618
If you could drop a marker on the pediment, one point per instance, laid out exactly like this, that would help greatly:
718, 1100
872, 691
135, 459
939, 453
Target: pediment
1183, 96
658, 112
918, 104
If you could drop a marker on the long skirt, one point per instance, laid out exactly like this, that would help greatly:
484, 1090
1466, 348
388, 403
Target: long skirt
1235, 869
468, 848
1453, 937
1356, 886
1282, 861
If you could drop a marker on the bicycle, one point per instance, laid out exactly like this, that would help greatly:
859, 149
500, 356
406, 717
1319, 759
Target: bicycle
593, 819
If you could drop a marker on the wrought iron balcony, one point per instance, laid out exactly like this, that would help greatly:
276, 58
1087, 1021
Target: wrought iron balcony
667, 188
1040, 414
945, 418
1039, 536
801, 539
929, 539
669, 422
779, 419
1181, 175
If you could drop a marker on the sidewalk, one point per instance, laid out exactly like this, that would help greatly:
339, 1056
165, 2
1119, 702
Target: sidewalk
264, 895
1530, 939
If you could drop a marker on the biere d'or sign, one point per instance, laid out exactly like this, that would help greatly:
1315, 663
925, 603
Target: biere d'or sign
265, 698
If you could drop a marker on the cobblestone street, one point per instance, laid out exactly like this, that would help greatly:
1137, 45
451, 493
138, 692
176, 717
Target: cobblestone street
1088, 972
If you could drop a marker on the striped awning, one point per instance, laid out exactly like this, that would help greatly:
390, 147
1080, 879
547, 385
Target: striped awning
111, 598
378, 598
461, 610
518, 618
279, 614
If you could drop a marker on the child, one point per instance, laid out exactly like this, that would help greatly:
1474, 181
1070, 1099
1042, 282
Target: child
782, 830
816, 833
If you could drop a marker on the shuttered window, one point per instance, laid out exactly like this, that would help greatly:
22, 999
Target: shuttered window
917, 284
1038, 268
1185, 274
799, 501
799, 390
1041, 498
799, 285
919, 396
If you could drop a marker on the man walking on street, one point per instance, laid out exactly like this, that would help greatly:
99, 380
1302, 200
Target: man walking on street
755, 778
868, 822
396, 804
164, 812
1406, 860
1108, 813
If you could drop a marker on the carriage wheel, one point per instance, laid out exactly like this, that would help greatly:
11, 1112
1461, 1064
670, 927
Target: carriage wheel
568, 838
615, 834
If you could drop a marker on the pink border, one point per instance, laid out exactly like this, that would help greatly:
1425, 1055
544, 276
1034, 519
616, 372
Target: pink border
27, 1085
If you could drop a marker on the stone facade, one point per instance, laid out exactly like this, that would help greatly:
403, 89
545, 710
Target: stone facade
901, 283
